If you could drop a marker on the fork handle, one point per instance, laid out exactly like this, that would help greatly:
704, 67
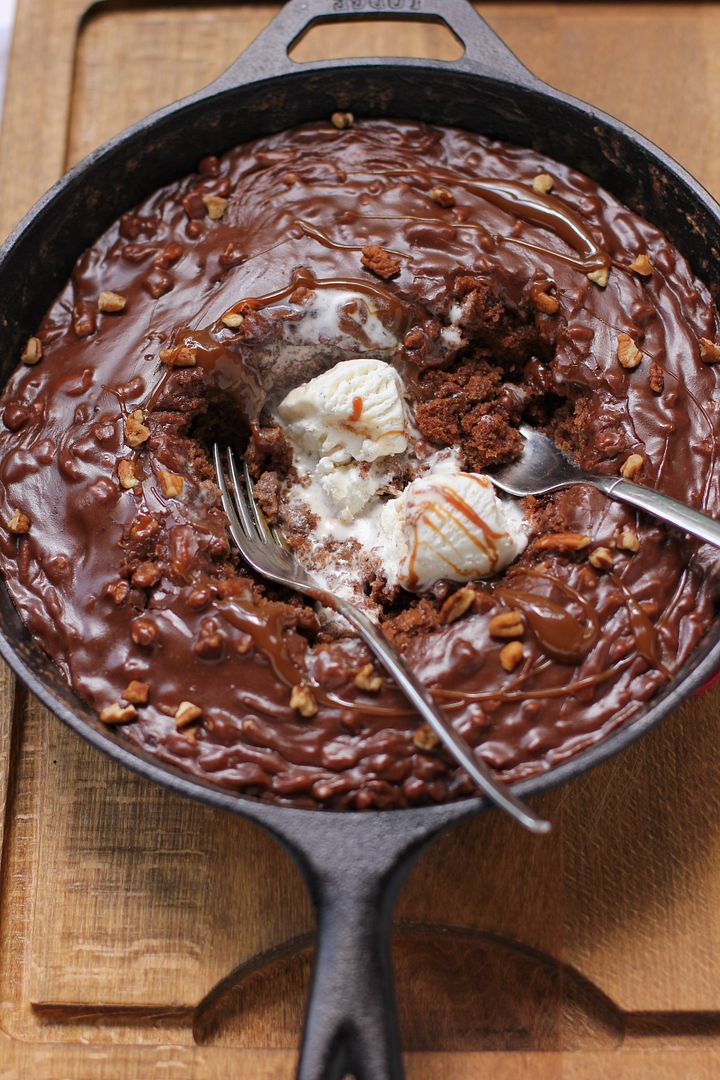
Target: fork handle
420, 698
663, 507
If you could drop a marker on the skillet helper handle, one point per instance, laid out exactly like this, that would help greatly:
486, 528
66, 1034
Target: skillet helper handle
663, 507
267, 56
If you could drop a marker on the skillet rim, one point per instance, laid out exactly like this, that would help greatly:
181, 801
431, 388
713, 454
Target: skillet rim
45, 681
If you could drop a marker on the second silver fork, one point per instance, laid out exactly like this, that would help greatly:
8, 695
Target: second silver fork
263, 549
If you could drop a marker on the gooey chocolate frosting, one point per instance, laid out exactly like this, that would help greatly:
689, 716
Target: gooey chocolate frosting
508, 286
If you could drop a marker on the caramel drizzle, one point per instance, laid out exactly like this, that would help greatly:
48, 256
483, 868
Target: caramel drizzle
532, 206
559, 633
334, 245
304, 278
485, 539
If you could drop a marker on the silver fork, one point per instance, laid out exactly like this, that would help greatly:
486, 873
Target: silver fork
264, 550
543, 468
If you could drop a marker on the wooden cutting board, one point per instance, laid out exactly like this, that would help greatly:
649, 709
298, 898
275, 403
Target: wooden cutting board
141, 935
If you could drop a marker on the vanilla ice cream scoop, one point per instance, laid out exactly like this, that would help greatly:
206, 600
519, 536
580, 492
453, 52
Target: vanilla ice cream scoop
353, 412
449, 526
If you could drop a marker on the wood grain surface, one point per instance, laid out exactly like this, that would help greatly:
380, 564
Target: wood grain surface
141, 935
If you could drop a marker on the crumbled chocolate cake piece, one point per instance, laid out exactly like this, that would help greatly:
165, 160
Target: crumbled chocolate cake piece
235, 284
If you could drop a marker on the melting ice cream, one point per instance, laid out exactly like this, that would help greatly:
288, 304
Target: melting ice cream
353, 438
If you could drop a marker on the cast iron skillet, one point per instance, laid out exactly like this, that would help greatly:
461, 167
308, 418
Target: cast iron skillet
353, 863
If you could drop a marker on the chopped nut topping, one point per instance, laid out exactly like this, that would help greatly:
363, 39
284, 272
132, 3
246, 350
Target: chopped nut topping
302, 699
600, 277
342, 120
601, 558
632, 466
146, 574
32, 352
425, 738
629, 540
366, 679
543, 183
118, 591
19, 523
111, 302
709, 351
511, 655
137, 693
380, 262
232, 320
546, 303
457, 604
126, 474
187, 714
641, 265
143, 632
215, 206
506, 624
180, 356
562, 541
244, 644
83, 323
135, 431
118, 713
442, 197
656, 378
171, 484
627, 351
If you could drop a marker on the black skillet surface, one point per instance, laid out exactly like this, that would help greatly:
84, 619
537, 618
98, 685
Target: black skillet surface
353, 863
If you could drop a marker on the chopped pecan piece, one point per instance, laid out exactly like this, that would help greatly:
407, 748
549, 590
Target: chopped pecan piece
543, 183
600, 277
442, 197
180, 356
367, 680
232, 319
187, 714
111, 302
632, 466
562, 541
641, 265
172, 485
601, 558
457, 604
32, 352
656, 378
342, 120
506, 624
118, 713
380, 262
709, 351
143, 632
137, 693
629, 540
425, 738
126, 474
303, 701
511, 655
544, 302
19, 523
135, 431
627, 351
215, 206
146, 575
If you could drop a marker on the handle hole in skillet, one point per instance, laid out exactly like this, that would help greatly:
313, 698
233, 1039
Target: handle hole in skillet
428, 39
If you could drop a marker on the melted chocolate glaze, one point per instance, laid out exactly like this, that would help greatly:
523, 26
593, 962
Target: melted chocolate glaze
135, 585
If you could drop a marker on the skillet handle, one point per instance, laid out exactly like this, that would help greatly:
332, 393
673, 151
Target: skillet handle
267, 56
354, 865
351, 1022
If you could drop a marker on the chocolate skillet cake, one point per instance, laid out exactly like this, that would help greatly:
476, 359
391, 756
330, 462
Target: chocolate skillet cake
366, 312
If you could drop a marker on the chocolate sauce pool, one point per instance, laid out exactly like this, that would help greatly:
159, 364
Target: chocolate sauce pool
138, 584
